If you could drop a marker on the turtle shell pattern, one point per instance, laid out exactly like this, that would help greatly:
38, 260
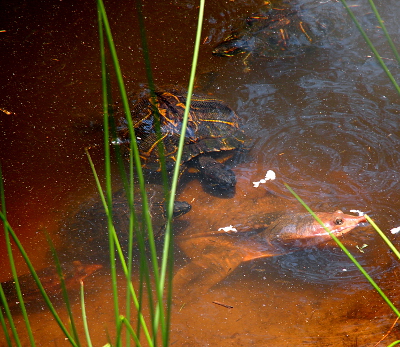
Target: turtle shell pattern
273, 32
212, 127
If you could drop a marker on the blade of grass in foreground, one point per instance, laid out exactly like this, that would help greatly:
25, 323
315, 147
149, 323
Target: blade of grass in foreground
371, 45
2, 320
103, 25
136, 160
120, 253
344, 249
2, 295
37, 280
64, 289
383, 236
84, 317
167, 251
14, 270
382, 25
108, 199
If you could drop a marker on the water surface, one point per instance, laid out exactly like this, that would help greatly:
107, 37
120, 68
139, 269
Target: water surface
326, 122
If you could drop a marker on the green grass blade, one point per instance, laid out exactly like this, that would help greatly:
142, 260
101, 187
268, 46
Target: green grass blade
370, 44
107, 162
84, 317
383, 236
64, 289
119, 250
135, 151
167, 250
37, 280
15, 276
394, 343
182, 138
382, 25
14, 332
12, 265
128, 326
344, 249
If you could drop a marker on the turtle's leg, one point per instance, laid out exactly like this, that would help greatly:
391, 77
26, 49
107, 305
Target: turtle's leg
198, 276
216, 173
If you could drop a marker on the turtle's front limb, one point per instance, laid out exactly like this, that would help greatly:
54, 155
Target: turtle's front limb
195, 278
215, 173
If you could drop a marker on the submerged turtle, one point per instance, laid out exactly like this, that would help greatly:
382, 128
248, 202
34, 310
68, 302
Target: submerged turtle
212, 131
215, 255
276, 31
87, 232
73, 274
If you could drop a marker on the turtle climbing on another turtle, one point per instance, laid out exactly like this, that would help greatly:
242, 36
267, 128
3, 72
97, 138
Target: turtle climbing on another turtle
216, 254
87, 230
277, 30
212, 136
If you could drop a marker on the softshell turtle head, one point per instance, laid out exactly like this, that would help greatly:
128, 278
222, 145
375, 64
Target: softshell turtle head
305, 231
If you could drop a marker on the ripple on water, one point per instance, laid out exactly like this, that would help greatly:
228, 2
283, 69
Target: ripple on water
353, 153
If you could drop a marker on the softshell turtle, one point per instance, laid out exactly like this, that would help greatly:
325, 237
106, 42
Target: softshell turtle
86, 233
212, 131
277, 30
215, 254
73, 274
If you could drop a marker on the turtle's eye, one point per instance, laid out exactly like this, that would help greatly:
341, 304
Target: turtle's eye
338, 221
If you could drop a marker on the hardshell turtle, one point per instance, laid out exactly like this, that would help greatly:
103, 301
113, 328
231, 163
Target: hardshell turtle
87, 232
276, 31
213, 131
214, 255
73, 273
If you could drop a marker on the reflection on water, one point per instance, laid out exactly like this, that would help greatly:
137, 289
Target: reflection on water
325, 122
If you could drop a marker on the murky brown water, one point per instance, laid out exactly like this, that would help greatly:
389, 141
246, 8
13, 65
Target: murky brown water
326, 123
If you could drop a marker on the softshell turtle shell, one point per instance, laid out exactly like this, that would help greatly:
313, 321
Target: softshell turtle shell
86, 233
215, 254
277, 30
73, 274
212, 130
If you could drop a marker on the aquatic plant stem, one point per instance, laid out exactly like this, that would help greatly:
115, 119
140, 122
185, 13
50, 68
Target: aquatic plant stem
2, 320
344, 249
370, 44
14, 270
37, 280
183, 132
383, 236
158, 315
134, 147
63, 288
15, 276
84, 317
167, 251
119, 250
107, 166
383, 27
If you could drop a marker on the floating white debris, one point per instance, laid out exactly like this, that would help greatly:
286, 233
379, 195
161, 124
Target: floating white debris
117, 142
229, 228
360, 213
360, 248
269, 176
395, 230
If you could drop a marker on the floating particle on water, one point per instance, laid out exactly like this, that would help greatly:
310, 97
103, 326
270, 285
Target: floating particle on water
269, 176
360, 213
395, 230
229, 228
360, 248
344, 270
